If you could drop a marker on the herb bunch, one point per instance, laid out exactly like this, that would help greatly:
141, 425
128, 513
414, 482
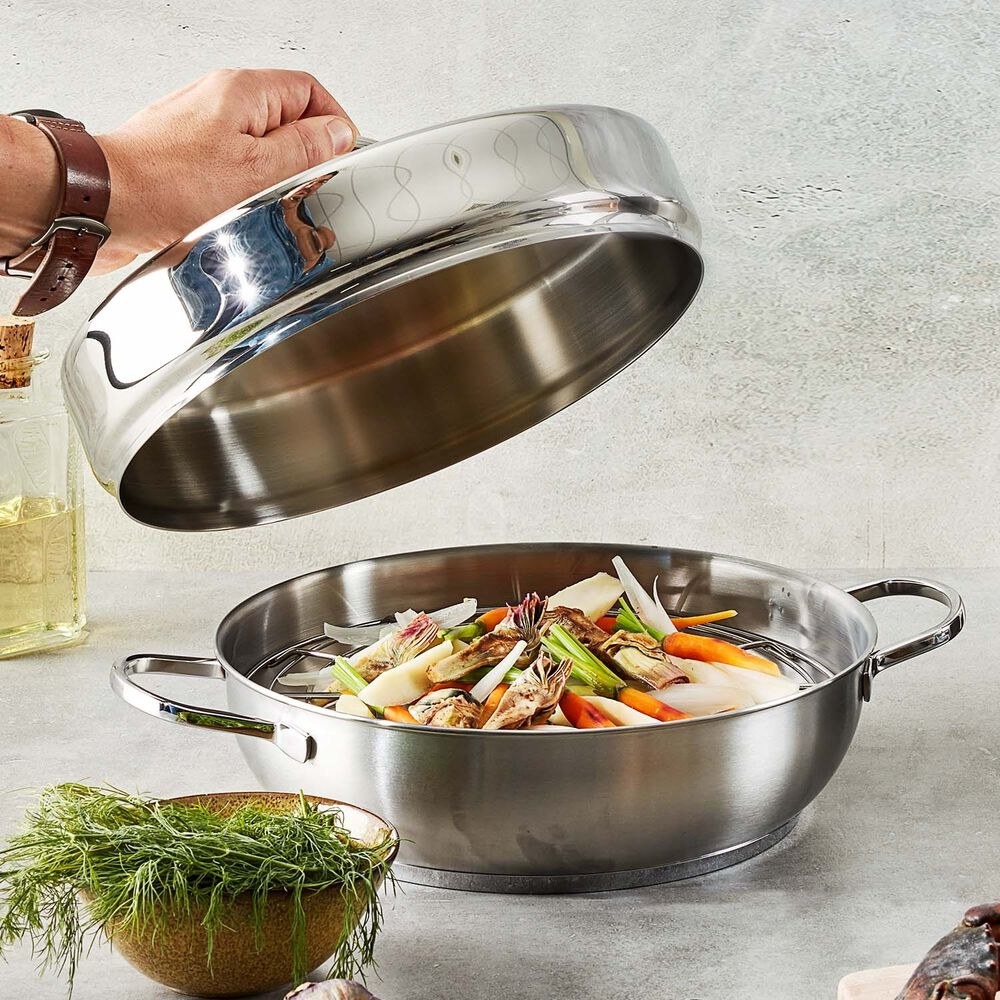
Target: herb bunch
143, 864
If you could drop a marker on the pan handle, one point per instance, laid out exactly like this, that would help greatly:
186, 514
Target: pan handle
944, 631
290, 741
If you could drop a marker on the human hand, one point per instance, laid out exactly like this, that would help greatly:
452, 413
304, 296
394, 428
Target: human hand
207, 147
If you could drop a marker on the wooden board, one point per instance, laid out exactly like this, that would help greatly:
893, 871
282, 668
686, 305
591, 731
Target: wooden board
874, 984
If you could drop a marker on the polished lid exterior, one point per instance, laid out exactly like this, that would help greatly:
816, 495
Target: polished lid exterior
382, 316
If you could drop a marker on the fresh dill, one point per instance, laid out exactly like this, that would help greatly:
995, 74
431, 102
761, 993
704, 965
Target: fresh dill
143, 864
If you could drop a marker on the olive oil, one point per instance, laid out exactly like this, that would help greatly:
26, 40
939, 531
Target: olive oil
42, 579
42, 573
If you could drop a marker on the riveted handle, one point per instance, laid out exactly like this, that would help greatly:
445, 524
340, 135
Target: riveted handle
297, 745
944, 631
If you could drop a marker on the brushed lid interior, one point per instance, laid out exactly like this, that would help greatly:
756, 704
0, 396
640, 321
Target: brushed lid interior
388, 314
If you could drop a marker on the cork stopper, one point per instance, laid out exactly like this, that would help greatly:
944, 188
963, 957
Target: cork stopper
16, 335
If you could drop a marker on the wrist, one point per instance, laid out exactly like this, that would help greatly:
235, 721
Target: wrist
125, 209
30, 184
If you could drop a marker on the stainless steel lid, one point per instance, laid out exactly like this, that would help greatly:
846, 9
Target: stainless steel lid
382, 316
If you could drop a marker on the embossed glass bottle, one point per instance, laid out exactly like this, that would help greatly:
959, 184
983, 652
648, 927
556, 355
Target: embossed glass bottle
42, 574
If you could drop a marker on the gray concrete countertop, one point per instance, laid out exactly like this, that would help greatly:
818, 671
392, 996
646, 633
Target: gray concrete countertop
887, 859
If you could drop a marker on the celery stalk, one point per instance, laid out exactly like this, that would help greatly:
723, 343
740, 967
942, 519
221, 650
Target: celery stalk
464, 633
629, 621
351, 681
587, 668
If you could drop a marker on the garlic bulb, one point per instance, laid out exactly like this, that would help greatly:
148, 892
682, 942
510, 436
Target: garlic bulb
332, 989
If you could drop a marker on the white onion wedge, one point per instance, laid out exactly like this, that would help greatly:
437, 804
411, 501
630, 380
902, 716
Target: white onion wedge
364, 635
406, 683
594, 596
348, 704
357, 635
318, 679
484, 688
704, 699
620, 714
558, 718
761, 687
650, 611
699, 672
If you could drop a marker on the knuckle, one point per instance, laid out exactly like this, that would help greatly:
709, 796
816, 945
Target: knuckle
219, 77
311, 149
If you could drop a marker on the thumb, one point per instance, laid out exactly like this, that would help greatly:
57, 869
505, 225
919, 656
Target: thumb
306, 143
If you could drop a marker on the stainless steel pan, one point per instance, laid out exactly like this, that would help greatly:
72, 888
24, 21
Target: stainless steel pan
573, 811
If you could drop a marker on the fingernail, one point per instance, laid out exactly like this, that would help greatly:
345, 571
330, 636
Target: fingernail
342, 134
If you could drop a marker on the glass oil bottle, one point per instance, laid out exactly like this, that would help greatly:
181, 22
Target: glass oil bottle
42, 570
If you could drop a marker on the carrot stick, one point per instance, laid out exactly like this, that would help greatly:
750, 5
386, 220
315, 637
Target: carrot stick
399, 713
650, 706
718, 616
490, 619
490, 705
703, 647
449, 685
609, 623
582, 714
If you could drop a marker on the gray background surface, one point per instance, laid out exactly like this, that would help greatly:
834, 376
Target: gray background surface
886, 860
830, 398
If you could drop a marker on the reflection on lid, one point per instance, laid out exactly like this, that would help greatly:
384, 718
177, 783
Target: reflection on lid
256, 259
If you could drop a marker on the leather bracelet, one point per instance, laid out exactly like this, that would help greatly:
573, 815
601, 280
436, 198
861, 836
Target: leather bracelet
58, 260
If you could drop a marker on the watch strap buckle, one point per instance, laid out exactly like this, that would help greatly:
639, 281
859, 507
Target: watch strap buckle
80, 224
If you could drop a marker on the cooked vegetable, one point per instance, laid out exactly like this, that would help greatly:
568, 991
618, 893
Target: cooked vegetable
365, 635
421, 634
587, 668
579, 626
489, 706
463, 633
645, 703
449, 708
703, 647
520, 624
693, 621
620, 712
582, 714
533, 696
346, 676
454, 614
593, 596
640, 658
763, 687
407, 682
558, 718
484, 687
488, 673
490, 619
399, 713
627, 619
648, 608
699, 672
349, 704
143, 862
704, 699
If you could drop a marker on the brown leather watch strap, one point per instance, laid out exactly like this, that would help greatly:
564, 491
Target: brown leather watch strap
60, 258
